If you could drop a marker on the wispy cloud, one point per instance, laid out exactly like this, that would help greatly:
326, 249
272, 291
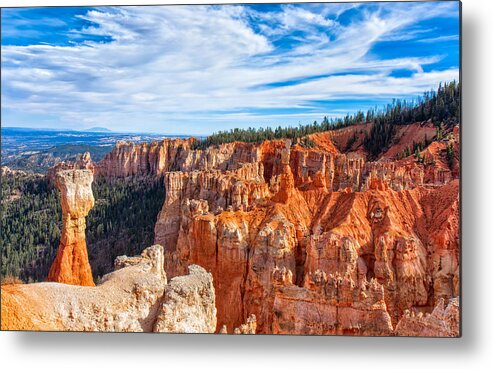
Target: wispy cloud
440, 39
184, 68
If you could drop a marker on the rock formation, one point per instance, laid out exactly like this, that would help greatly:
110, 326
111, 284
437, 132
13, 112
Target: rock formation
309, 240
71, 264
249, 327
134, 298
443, 321
300, 240
83, 161
189, 304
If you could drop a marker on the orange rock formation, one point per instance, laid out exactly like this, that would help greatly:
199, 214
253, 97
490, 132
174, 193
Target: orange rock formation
310, 241
443, 321
136, 297
71, 264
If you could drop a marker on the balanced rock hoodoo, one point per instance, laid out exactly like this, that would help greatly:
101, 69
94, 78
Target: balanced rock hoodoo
71, 264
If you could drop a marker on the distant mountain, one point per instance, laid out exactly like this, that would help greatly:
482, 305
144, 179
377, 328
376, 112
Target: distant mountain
98, 129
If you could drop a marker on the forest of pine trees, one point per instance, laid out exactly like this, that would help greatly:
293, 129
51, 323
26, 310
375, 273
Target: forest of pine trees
442, 107
31, 226
121, 222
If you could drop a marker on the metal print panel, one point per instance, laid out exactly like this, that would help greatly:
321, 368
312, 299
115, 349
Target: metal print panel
252, 169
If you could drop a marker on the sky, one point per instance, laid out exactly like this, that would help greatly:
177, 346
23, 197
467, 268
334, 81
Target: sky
200, 69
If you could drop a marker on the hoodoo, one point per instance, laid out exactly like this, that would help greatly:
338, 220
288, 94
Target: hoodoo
281, 238
71, 264
311, 240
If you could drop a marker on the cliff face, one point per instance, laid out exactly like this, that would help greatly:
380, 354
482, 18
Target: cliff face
71, 264
313, 240
134, 298
157, 158
308, 241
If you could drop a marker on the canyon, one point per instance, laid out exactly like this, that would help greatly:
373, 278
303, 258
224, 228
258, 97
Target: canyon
282, 239
310, 240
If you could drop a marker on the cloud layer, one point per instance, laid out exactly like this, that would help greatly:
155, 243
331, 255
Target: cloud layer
197, 69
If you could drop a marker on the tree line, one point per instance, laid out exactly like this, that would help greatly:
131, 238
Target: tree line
441, 107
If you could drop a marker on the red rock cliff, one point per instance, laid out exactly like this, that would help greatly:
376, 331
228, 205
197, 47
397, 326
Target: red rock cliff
317, 241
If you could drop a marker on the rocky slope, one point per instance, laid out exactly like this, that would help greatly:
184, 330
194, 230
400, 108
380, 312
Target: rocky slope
136, 297
318, 240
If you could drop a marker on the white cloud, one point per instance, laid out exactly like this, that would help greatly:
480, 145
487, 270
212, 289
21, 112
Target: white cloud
175, 63
440, 38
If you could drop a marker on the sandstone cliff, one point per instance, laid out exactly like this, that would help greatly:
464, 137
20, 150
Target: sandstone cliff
308, 240
134, 298
314, 240
71, 264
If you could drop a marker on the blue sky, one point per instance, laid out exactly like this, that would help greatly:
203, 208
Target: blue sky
199, 69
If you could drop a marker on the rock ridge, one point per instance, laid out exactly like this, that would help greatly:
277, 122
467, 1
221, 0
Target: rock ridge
136, 297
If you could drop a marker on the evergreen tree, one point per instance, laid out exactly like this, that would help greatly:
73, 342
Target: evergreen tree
442, 107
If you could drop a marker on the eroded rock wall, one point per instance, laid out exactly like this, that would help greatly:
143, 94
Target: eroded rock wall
267, 238
308, 240
157, 158
358, 242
